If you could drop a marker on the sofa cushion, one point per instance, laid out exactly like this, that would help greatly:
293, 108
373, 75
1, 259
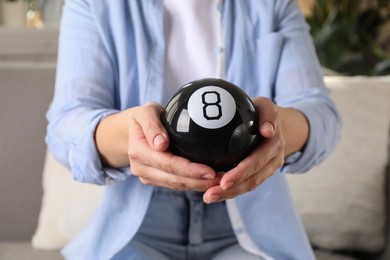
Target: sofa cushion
323, 255
342, 201
24, 250
66, 206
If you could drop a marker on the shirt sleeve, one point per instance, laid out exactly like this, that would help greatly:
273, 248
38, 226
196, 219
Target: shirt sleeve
84, 95
299, 84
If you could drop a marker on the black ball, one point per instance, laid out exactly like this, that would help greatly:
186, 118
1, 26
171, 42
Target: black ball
212, 121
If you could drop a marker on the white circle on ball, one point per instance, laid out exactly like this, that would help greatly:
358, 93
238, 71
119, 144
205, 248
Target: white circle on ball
211, 107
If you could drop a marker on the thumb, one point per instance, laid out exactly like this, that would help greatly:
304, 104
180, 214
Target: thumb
268, 116
267, 129
151, 125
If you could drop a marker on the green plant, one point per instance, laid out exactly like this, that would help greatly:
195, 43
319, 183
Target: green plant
345, 34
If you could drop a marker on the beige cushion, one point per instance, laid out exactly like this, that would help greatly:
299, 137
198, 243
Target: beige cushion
66, 206
321, 255
23, 250
342, 201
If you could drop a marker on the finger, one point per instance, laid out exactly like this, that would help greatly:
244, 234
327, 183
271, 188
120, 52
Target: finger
213, 194
153, 130
156, 177
216, 193
140, 151
268, 115
178, 165
251, 164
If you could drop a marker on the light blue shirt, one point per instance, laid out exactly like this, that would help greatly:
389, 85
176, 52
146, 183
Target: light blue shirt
111, 57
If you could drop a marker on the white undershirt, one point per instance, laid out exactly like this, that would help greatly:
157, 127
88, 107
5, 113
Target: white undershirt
195, 50
193, 42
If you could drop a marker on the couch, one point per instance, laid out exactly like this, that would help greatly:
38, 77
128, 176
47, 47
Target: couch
37, 195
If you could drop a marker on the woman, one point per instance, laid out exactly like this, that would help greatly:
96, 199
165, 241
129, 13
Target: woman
119, 63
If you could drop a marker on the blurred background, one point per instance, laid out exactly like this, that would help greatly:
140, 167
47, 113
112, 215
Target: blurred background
352, 37
29, 30
30, 13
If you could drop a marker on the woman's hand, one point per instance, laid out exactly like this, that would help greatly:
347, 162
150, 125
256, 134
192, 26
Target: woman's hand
137, 137
285, 131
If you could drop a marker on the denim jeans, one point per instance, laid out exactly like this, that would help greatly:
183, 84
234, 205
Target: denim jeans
179, 225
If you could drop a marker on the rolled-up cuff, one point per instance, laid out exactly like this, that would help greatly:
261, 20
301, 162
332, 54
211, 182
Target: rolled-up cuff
84, 159
318, 145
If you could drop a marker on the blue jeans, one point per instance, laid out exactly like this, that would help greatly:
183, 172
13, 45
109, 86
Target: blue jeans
179, 225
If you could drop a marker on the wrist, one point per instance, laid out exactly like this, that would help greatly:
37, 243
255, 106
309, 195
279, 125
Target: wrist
295, 129
111, 138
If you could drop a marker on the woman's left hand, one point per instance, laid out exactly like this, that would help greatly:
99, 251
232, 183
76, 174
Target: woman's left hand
262, 163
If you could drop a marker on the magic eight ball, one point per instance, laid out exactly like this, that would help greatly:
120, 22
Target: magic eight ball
212, 121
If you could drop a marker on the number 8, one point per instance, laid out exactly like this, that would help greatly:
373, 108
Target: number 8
206, 112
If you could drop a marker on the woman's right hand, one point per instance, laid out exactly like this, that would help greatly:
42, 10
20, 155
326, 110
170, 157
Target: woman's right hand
147, 151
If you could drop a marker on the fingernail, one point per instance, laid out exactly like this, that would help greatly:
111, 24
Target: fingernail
228, 185
207, 176
214, 198
268, 126
159, 139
